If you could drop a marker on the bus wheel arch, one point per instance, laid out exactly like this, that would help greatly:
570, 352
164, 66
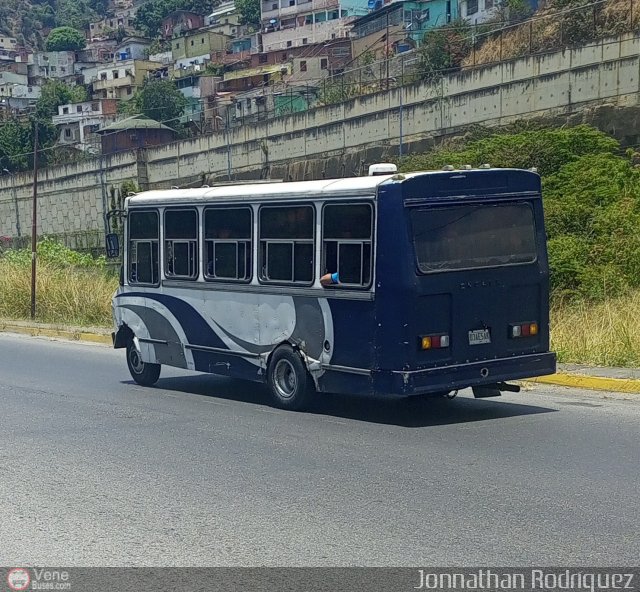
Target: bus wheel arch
290, 383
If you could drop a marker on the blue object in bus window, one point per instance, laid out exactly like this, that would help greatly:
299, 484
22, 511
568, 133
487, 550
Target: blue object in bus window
335, 278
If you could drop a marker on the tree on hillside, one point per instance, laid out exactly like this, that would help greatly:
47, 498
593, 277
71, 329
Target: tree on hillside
65, 39
203, 7
16, 143
77, 13
160, 100
150, 15
55, 93
249, 11
444, 48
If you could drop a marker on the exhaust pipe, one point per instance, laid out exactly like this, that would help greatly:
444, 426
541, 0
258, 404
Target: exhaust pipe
494, 390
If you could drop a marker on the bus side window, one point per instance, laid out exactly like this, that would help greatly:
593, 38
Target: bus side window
347, 233
181, 244
228, 243
287, 244
144, 231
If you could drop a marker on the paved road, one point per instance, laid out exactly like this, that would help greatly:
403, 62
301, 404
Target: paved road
95, 470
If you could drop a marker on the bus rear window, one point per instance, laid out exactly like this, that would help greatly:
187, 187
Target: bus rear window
473, 236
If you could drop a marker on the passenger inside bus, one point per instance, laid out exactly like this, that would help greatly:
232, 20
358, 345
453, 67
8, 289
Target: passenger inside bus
330, 279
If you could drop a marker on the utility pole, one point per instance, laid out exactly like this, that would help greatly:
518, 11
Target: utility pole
386, 52
227, 133
34, 220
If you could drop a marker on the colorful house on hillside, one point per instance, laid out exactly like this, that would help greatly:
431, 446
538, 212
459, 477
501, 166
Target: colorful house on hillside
296, 23
399, 26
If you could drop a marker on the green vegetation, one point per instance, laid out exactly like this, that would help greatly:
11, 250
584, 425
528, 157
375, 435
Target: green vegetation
17, 139
150, 15
55, 93
591, 199
249, 11
160, 100
444, 49
26, 19
72, 288
65, 39
17, 136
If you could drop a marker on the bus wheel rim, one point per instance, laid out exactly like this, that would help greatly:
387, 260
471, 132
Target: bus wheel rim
285, 379
136, 363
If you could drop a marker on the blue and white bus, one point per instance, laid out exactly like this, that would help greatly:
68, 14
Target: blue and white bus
397, 284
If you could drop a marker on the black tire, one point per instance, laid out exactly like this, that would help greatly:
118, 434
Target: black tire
143, 373
289, 383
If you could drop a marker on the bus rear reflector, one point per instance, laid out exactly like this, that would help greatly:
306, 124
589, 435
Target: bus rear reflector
434, 341
523, 330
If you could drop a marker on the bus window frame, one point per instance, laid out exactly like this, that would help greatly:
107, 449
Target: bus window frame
264, 281
174, 277
514, 201
252, 240
131, 212
372, 209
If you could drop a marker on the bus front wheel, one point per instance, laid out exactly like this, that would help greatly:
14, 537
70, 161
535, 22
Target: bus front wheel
143, 373
290, 385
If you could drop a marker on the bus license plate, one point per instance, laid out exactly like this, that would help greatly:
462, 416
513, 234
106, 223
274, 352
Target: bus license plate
479, 336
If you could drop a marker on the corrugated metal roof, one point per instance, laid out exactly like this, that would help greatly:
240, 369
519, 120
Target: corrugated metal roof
261, 71
134, 122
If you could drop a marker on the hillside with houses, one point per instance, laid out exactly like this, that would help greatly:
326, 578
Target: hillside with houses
148, 74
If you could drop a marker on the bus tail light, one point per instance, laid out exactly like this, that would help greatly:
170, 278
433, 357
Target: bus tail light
434, 341
523, 330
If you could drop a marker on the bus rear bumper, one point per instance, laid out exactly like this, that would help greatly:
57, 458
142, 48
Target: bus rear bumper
459, 376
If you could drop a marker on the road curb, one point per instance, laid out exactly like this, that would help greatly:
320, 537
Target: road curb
67, 334
596, 383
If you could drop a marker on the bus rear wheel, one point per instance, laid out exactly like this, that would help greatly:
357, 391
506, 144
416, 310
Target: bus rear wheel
143, 373
290, 385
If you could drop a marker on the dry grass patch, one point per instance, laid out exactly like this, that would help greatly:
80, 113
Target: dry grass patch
602, 334
71, 295
552, 29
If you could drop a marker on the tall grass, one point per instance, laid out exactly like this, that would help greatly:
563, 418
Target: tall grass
64, 295
600, 334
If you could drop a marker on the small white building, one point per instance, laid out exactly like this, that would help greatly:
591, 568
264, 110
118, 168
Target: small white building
132, 48
224, 19
8, 43
16, 92
78, 122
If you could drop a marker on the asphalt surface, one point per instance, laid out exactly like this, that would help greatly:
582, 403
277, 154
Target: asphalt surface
95, 470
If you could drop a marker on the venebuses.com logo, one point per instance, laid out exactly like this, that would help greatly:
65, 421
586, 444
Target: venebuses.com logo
18, 578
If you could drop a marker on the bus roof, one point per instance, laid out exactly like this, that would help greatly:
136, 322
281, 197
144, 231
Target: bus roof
347, 187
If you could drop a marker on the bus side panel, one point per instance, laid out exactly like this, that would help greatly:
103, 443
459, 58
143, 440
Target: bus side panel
353, 337
395, 282
226, 365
